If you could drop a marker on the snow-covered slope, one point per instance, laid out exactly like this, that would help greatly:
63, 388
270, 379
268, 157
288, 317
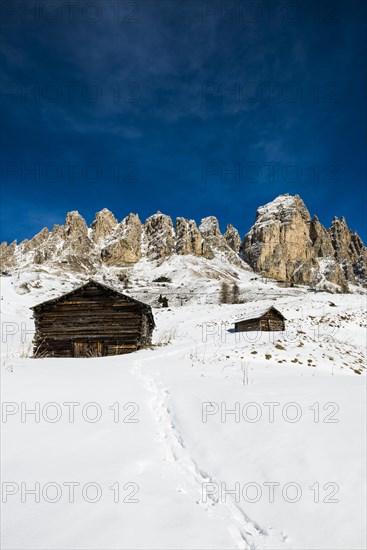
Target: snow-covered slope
297, 429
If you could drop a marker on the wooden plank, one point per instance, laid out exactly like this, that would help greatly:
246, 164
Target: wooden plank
104, 320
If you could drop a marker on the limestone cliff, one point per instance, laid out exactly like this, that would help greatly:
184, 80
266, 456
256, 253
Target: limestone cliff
285, 243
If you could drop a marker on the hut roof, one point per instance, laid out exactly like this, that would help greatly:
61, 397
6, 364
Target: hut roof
258, 313
103, 286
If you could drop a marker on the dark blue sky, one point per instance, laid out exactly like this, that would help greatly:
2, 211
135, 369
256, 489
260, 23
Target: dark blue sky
191, 107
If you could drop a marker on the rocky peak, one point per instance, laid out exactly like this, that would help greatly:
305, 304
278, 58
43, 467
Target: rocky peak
7, 255
283, 208
341, 237
75, 224
159, 234
357, 244
57, 230
131, 221
232, 238
70, 243
125, 245
209, 227
37, 240
321, 240
224, 245
189, 239
286, 244
349, 250
103, 225
279, 242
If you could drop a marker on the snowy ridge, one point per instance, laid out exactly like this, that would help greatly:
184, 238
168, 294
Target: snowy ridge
284, 243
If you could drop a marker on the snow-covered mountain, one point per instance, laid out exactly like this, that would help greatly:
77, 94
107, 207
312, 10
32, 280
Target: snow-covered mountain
284, 243
287, 244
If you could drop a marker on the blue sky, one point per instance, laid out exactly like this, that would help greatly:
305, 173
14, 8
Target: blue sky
193, 108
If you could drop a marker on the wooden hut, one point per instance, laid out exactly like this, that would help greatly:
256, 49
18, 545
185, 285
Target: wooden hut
91, 321
267, 319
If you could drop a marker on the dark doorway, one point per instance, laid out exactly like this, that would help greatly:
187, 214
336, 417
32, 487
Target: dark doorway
87, 349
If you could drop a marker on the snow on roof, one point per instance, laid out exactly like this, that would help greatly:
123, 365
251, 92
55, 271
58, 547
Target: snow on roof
257, 313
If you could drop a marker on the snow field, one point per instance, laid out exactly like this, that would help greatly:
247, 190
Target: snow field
239, 443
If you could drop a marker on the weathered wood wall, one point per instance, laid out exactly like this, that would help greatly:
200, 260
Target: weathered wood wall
252, 324
270, 321
91, 321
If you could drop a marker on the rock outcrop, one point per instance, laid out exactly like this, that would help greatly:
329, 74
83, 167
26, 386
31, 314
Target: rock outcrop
285, 243
189, 239
76, 247
232, 238
7, 256
37, 241
103, 225
124, 245
321, 240
160, 237
279, 243
220, 245
75, 234
349, 250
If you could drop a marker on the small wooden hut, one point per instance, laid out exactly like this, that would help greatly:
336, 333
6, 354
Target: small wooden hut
267, 319
91, 321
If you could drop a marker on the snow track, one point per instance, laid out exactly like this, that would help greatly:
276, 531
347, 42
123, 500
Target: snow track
246, 533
